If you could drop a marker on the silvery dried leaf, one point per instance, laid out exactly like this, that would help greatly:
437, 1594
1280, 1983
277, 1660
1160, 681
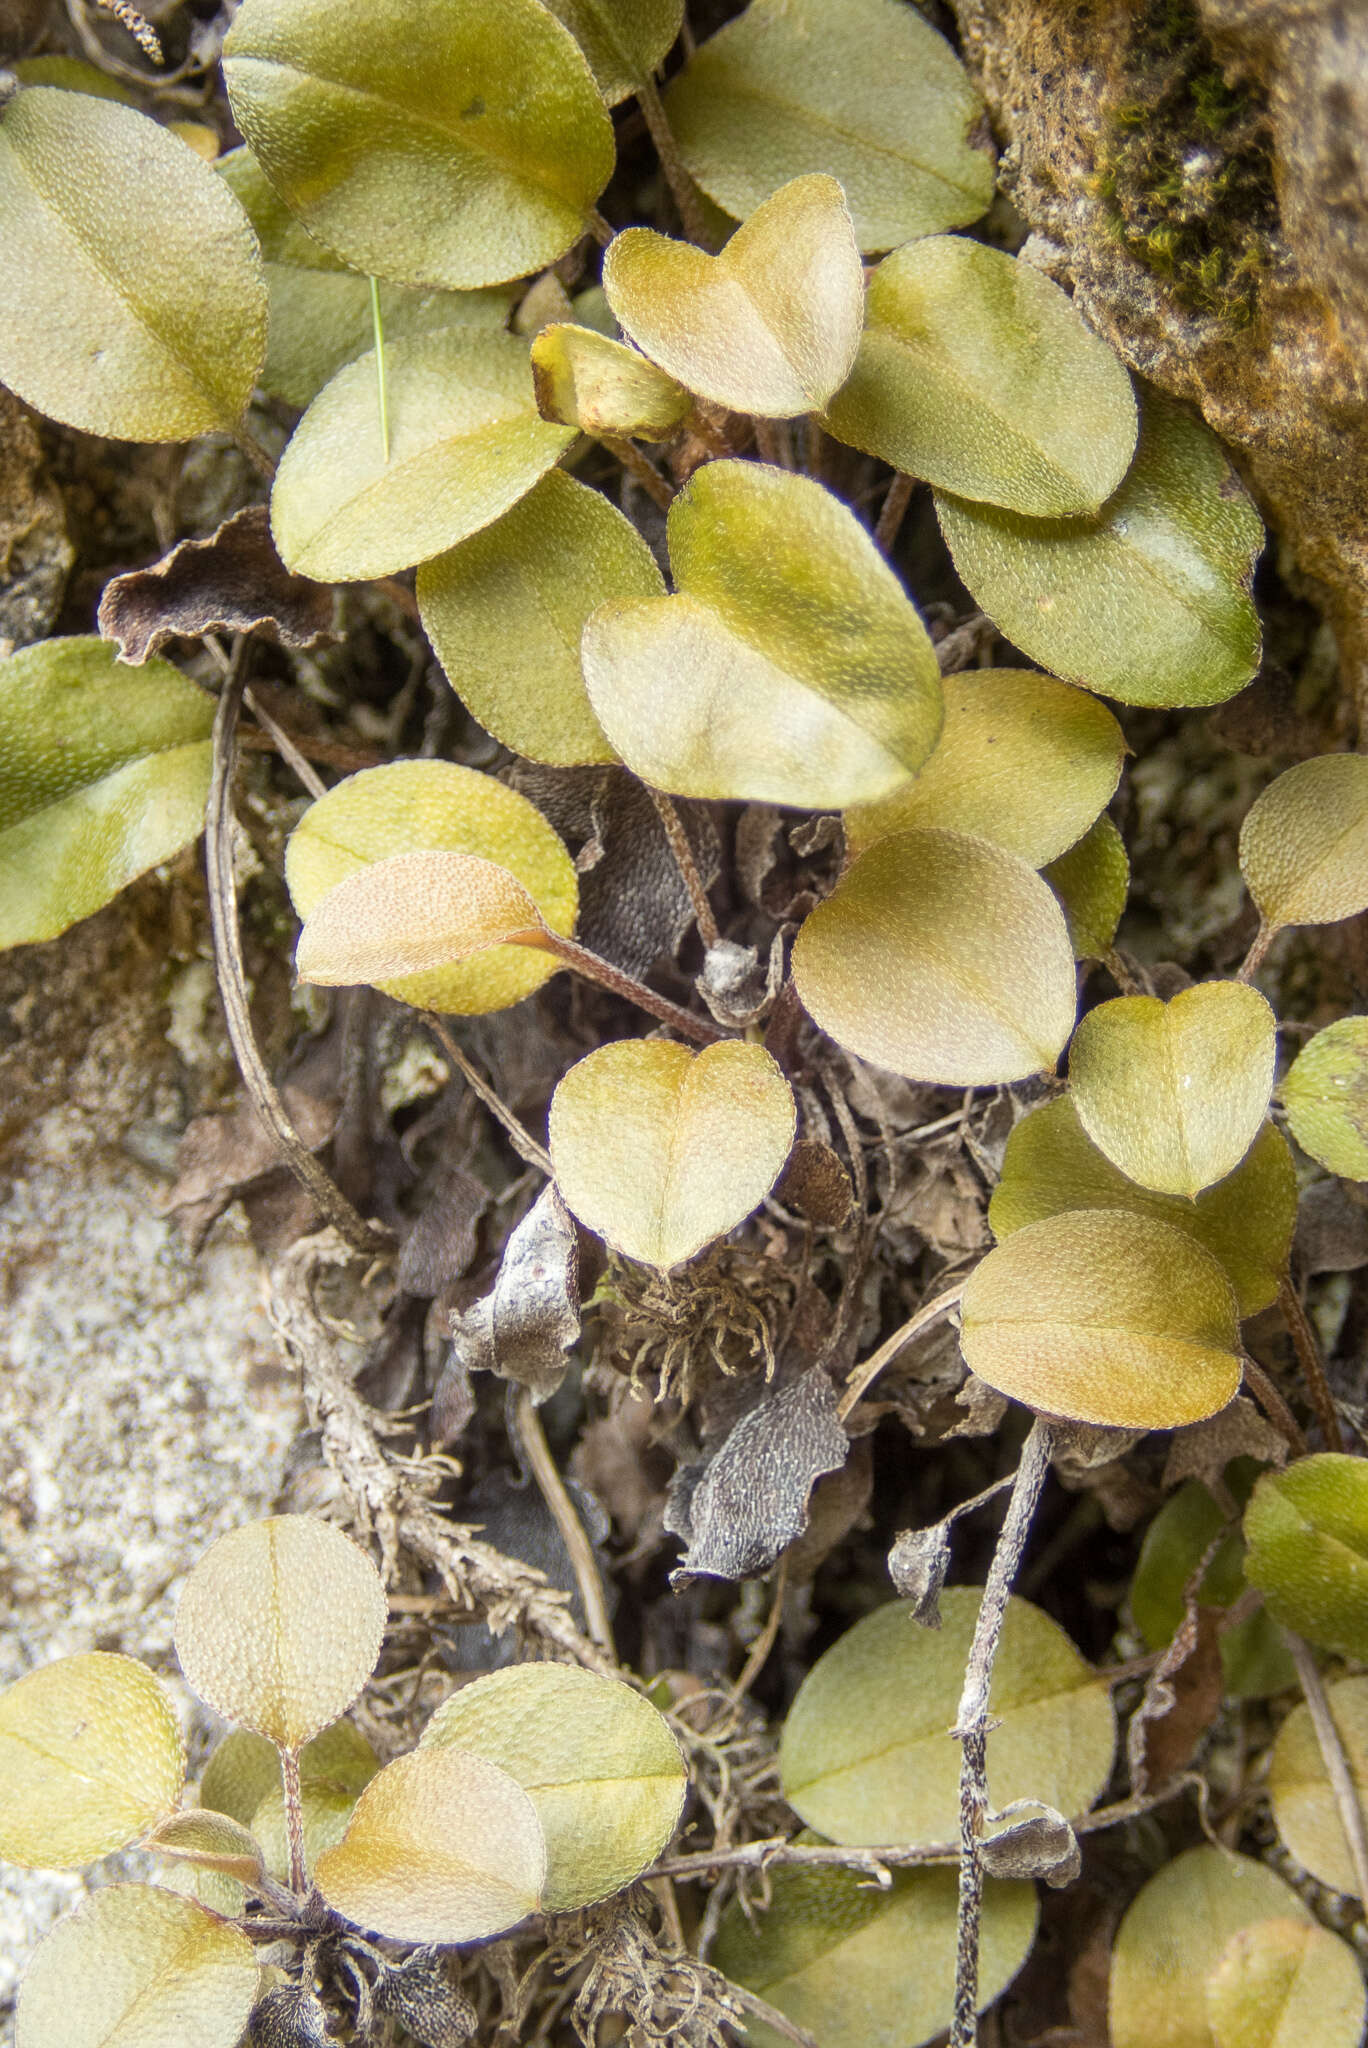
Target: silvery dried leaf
1041, 1845
917, 1565
522, 1330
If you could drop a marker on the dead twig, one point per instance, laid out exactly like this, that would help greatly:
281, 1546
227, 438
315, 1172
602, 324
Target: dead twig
864, 1376
521, 1139
536, 1450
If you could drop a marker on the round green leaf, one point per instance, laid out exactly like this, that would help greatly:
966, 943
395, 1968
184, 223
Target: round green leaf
1307, 1531
1092, 881
465, 443
865, 90
1174, 1936
414, 915
624, 40
1283, 1983
1022, 759
90, 1758
1148, 602
865, 1755
245, 1768
1104, 1316
1175, 1092
771, 325
445, 143
977, 373
1253, 1655
1246, 1221
597, 1761
417, 806
861, 1967
135, 1966
661, 1150
73, 74
943, 958
1305, 1808
588, 380
279, 1626
106, 216
442, 1847
790, 667
505, 610
104, 772
1325, 1095
1304, 842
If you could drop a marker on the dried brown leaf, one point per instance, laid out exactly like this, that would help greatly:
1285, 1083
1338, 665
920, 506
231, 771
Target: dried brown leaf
1182, 1698
524, 1327
233, 582
1204, 1449
917, 1565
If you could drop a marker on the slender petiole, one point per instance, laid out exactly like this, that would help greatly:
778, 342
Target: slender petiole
381, 387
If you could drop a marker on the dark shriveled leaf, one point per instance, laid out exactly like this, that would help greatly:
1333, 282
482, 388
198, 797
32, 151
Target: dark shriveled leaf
917, 1565
233, 582
523, 1329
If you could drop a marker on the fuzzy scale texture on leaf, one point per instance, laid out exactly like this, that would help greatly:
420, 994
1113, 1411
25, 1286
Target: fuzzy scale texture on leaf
624, 40
588, 380
1305, 1805
413, 914
1325, 1095
1092, 881
1307, 1531
1304, 842
1282, 1983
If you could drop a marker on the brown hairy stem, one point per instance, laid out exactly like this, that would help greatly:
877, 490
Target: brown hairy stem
1274, 1406
1254, 958
683, 190
581, 961
895, 504
294, 1818
1309, 1358
687, 865
640, 469
521, 1139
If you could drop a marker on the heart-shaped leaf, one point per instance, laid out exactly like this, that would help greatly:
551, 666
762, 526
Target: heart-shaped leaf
943, 958
411, 807
1104, 1316
1148, 602
210, 1841
597, 1761
465, 442
1307, 1531
102, 210
104, 772
414, 914
589, 381
279, 1626
977, 373
1092, 881
434, 143
624, 40
442, 1847
831, 1952
660, 1149
1175, 1092
1304, 843
1246, 1221
864, 1755
1174, 1936
790, 668
1023, 760
136, 1965
90, 1758
771, 325
1325, 1095
1281, 1983
866, 90
1306, 1808
245, 1768
1187, 1529
505, 611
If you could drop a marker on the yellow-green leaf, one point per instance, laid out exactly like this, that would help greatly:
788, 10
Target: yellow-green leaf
1283, 1984
423, 806
864, 1755
414, 914
279, 1626
1104, 1316
90, 1758
976, 372
1148, 602
210, 1841
1187, 1529
1175, 1092
624, 40
1325, 1095
660, 1149
245, 1768
1023, 760
587, 380
442, 1847
863, 1967
1246, 1221
1092, 881
597, 1761
1307, 1531
136, 1966
465, 442
134, 301
73, 74
1304, 842
445, 143
790, 667
326, 1814
771, 325
943, 958
1174, 1937
866, 90
1305, 1808
505, 610
104, 772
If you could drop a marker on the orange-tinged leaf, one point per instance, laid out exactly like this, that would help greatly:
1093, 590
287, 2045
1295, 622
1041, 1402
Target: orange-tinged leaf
212, 1841
411, 914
